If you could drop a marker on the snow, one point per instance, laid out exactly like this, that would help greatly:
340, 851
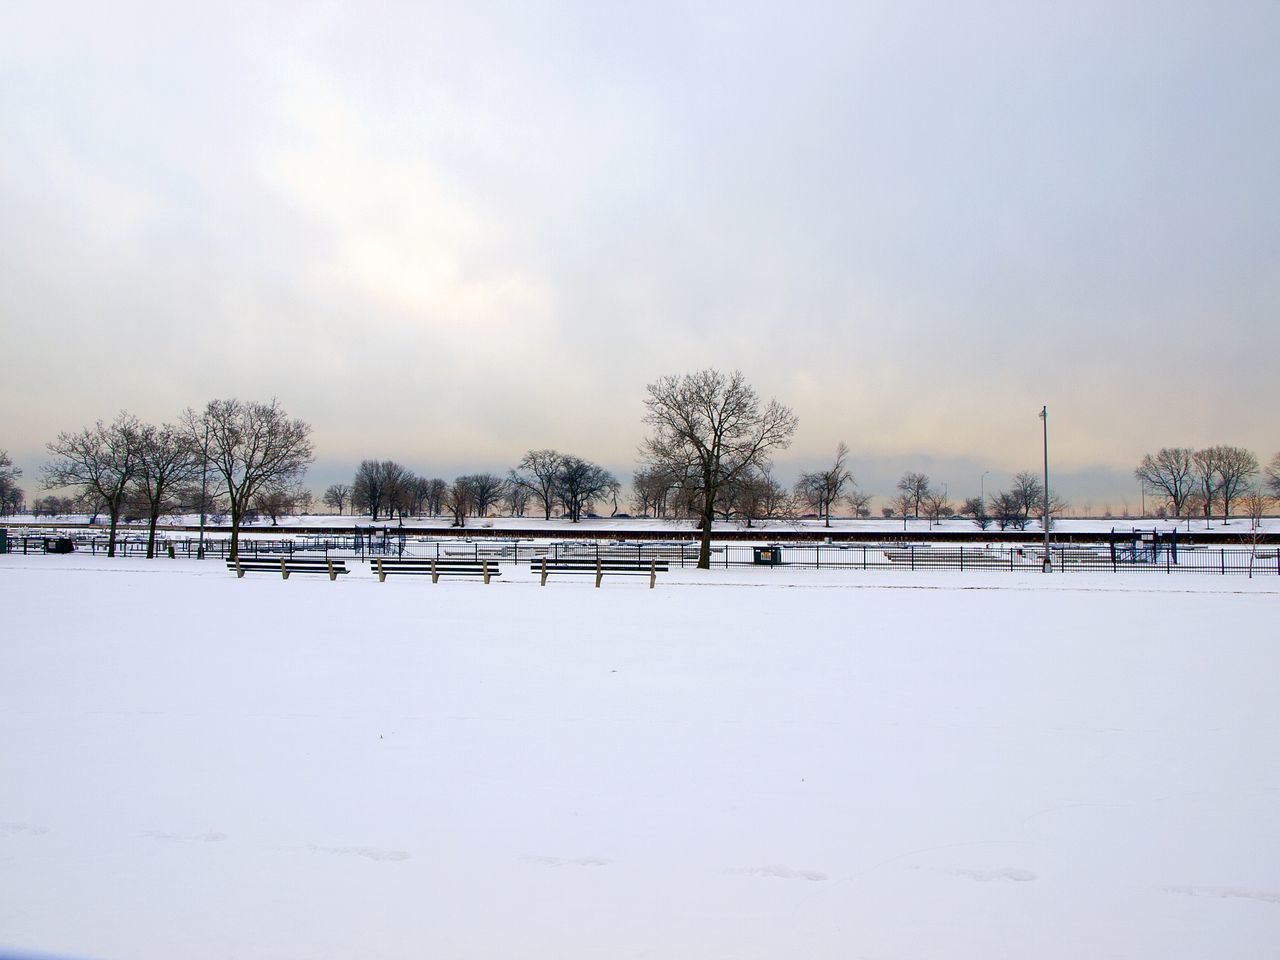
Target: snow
742, 763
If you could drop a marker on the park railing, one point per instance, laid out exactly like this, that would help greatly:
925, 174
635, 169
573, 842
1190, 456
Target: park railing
1119, 557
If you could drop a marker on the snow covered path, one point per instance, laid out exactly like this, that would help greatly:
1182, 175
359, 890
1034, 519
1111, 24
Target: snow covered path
746, 764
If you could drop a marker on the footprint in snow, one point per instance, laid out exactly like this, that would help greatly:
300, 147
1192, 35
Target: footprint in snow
211, 836
568, 861
21, 830
779, 873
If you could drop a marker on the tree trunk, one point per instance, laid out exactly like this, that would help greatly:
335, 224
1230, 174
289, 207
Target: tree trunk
151, 532
704, 547
235, 532
111, 529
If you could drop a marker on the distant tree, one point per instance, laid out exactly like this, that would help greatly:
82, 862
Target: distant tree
459, 499
652, 487
537, 472
487, 491
252, 446
436, 489
888, 513
167, 459
859, 502
1204, 468
517, 498
336, 495
376, 486
822, 489
710, 429
102, 461
936, 504
916, 485
975, 508
760, 497
1273, 475
579, 483
905, 504
1007, 510
279, 500
10, 494
1028, 492
1168, 471
1235, 467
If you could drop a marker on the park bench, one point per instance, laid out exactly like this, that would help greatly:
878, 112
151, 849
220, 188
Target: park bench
286, 565
599, 566
436, 567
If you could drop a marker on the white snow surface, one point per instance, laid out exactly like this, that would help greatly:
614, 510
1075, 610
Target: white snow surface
741, 763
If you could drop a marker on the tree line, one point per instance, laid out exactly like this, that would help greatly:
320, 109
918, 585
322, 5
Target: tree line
707, 455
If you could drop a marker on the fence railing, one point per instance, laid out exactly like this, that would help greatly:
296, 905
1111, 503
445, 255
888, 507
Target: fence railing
1123, 558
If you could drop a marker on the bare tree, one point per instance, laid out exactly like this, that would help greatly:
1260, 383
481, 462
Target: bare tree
1007, 510
280, 500
975, 508
1168, 471
936, 504
1273, 475
337, 495
580, 482
376, 485
517, 498
252, 446
487, 491
459, 499
10, 494
917, 486
167, 458
905, 505
711, 429
102, 461
652, 487
822, 489
1028, 492
1235, 467
540, 468
1204, 467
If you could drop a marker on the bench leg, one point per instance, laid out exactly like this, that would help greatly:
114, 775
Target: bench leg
333, 574
284, 571
435, 575
544, 571
653, 573
484, 568
382, 575
599, 573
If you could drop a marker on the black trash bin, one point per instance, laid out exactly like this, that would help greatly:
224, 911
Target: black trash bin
770, 556
59, 545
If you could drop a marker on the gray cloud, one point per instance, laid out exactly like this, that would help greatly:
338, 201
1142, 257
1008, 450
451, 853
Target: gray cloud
445, 233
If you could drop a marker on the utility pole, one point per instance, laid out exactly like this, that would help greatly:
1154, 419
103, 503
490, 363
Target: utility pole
1044, 416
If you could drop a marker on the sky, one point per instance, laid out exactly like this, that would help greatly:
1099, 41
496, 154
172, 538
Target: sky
449, 233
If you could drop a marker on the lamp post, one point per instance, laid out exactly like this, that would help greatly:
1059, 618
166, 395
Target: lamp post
1044, 416
982, 489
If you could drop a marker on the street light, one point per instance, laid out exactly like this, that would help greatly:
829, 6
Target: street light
982, 489
1044, 416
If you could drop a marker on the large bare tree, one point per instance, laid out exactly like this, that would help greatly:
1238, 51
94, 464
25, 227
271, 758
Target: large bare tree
580, 482
252, 446
1236, 467
102, 461
537, 473
711, 429
168, 457
1169, 471
1273, 475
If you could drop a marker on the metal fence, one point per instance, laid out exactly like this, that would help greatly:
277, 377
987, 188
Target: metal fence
1120, 557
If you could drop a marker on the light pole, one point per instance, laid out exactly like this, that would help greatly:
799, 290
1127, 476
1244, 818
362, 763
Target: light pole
1044, 416
982, 489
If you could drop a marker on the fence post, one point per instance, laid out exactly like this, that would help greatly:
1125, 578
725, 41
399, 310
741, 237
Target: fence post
864, 556
962, 558
1222, 560
913, 557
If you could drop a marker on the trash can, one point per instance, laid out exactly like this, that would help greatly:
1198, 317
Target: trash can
769, 556
59, 545
4, 541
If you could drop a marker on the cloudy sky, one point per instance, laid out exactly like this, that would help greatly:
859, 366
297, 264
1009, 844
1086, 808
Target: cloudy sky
446, 233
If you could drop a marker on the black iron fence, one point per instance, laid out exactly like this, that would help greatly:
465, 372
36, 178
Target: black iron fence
1115, 557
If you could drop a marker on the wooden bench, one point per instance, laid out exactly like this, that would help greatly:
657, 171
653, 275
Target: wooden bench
436, 567
285, 566
599, 566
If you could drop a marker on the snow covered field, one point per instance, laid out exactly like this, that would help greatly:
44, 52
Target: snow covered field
746, 764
